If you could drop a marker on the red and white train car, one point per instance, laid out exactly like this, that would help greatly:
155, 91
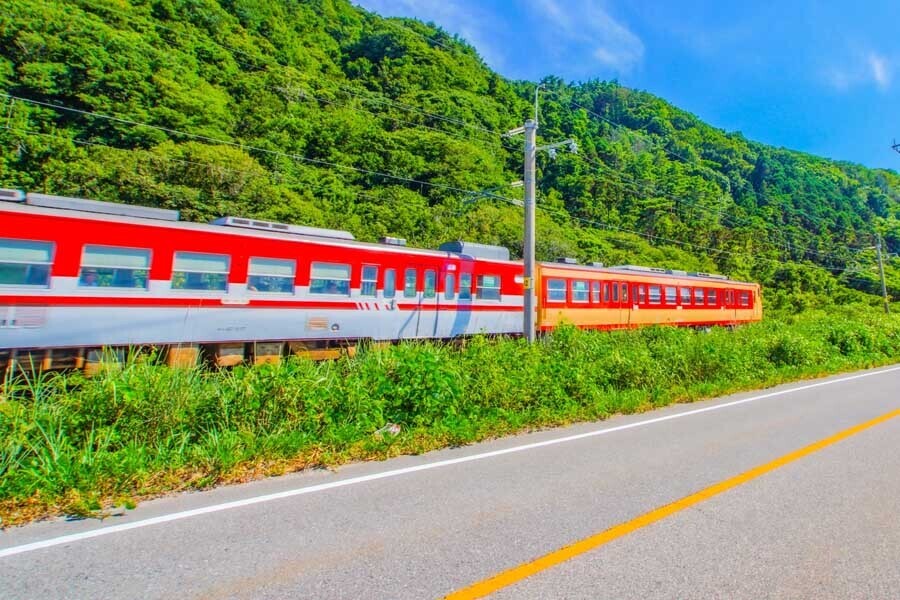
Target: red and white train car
84, 274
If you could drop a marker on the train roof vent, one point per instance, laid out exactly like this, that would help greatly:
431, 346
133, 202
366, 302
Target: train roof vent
639, 268
707, 275
282, 228
7, 195
392, 241
595, 264
566, 260
476, 250
96, 206
676, 272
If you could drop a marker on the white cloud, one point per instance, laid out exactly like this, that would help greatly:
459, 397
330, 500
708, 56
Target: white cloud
881, 71
866, 68
532, 38
463, 18
583, 30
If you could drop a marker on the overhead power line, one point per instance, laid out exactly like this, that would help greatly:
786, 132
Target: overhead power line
245, 147
518, 203
497, 140
679, 199
652, 143
630, 184
697, 247
261, 174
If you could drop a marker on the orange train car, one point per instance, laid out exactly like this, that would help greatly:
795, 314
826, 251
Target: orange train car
628, 296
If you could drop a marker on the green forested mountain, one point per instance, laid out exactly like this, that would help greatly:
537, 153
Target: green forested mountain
317, 112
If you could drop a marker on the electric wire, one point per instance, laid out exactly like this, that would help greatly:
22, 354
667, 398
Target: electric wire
246, 147
651, 142
390, 102
515, 202
735, 221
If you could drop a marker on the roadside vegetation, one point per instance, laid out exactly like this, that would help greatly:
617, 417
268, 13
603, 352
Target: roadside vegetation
242, 106
76, 445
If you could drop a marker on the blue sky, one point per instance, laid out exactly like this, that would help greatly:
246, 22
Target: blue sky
818, 76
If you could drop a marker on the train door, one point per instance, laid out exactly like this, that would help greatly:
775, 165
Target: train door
615, 303
634, 291
427, 320
730, 305
463, 315
446, 315
413, 302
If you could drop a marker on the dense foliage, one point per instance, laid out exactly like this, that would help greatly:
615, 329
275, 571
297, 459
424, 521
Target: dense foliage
73, 443
320, 113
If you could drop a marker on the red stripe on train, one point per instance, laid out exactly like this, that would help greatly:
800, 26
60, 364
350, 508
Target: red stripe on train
95, 302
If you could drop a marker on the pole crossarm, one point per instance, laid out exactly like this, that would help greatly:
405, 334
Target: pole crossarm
529, 308
571, 144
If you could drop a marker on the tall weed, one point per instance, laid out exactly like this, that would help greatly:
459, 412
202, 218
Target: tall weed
139, 427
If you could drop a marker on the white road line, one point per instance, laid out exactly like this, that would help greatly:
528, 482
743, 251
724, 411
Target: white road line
67, 539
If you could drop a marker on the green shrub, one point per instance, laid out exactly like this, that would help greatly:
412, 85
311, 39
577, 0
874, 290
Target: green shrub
140, 427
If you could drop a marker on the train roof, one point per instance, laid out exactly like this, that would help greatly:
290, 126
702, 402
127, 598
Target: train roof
643, 271
63, 206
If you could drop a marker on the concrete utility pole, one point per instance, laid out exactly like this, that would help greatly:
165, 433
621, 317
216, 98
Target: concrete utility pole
530, 168
887, 308
530, 307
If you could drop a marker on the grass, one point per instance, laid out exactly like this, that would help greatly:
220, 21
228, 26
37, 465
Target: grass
76, 445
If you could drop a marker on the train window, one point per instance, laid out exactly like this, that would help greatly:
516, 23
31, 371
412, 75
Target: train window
671, 294
487, 287
595, 292
624, 292
329, 278
105, 266
556, 290
465, 286
409, 283
271, 275
745, 298
430, 284
655, 294
685, 295
711, 298
390, 283
579, 291
24, 262
605, 293
369, 282
729, 298
196, 271
449, 286
642, 293
698, 296
615, 292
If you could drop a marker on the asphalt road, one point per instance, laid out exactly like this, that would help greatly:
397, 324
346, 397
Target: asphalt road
823, 526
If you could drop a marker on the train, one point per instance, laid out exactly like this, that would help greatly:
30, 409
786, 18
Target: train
79, 277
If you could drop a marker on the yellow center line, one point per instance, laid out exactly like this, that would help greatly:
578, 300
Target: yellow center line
525, 570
